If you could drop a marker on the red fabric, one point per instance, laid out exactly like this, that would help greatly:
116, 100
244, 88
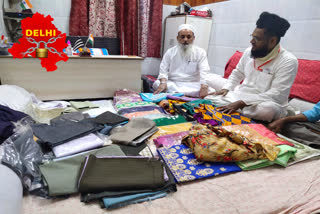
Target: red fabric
78, 24
261, 129
232, 63
155, 29
127, 26
307, 82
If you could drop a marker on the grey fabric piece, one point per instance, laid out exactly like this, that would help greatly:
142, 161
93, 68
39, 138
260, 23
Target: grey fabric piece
303, 132
131, 131
132, 150
10, 191
62, 175
73, 116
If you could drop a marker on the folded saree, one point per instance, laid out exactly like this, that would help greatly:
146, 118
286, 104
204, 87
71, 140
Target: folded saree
217, 144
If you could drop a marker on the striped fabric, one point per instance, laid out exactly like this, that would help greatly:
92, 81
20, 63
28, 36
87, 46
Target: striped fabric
78, 44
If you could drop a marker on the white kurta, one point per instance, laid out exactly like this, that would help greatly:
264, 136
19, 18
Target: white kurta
267, 91
184, 76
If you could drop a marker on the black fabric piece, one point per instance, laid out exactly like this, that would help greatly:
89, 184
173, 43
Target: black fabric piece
182, 111
304, 132
110, 118
141, 108
7, 116
113, 174
132, 150
73, 116
170, 186
57, 134
147, 82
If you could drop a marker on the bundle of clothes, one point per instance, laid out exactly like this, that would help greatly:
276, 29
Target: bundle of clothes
135, 148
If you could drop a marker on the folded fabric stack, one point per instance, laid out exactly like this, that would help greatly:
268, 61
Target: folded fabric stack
131, 105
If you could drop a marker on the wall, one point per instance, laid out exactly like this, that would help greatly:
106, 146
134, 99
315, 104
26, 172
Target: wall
151, 65
234, 21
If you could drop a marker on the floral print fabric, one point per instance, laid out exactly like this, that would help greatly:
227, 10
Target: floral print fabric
216, 144
185, 167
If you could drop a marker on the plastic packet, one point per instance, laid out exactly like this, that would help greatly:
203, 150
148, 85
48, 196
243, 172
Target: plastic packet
23, 155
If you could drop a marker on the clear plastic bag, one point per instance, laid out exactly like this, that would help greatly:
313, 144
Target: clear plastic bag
23, 155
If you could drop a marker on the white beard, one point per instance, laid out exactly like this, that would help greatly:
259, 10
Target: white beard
185, 51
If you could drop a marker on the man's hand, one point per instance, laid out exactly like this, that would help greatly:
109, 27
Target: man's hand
222, 92
203, 91
232, 107
162, 88
277, 125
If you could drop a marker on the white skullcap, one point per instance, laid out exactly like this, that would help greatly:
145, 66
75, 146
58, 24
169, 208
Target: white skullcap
186, 27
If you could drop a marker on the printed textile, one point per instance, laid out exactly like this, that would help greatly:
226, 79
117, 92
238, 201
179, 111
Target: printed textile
126, 96
210, 112
258, 133
150, 97
170, 139
169, 120
134, 104
185, 167
216, 144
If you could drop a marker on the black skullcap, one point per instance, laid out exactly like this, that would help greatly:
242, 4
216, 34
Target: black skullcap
273, 24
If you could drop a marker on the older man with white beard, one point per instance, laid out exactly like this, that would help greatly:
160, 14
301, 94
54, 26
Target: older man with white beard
184, 67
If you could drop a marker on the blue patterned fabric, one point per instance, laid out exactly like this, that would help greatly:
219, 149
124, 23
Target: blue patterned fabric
150, 97
185, 167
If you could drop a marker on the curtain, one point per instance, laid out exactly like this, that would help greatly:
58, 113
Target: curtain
127, 26
139, 27
154, 28
78, 24
102, 18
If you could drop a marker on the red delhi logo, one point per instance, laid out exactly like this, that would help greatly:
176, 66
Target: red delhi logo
41, 39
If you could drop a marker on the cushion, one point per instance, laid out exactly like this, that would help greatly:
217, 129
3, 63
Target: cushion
307, 82
305, 85
232, 63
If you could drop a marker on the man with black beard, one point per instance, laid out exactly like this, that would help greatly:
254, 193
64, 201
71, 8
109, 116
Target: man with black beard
267, 71
184, 67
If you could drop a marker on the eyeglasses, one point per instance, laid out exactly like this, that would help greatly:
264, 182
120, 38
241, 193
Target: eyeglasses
256, 39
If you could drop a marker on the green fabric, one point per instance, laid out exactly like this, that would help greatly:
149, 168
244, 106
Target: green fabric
304, 152
170, 121
62, 175
83, 105
195, 103
134, 104
102, 174
286, 152
69, 110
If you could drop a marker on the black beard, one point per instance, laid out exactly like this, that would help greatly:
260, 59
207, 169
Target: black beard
259, 53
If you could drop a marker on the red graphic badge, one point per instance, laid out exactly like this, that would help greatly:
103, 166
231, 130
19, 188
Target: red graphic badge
41, 39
